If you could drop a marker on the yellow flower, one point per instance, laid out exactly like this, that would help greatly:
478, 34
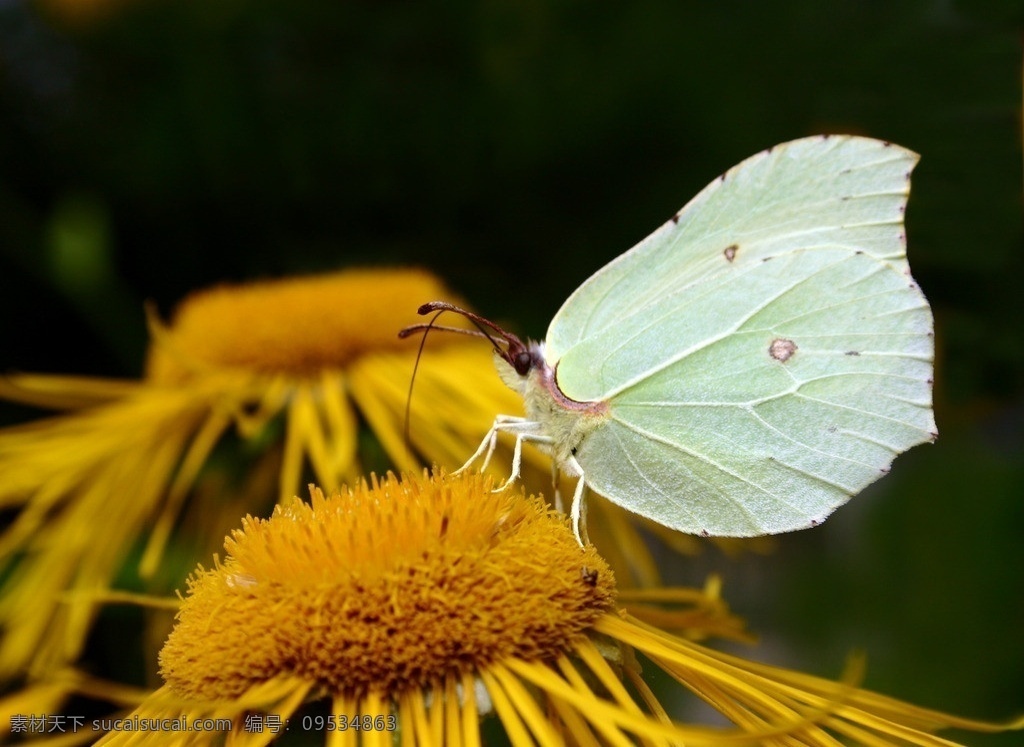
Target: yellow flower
413, 608
391, 587
295, 370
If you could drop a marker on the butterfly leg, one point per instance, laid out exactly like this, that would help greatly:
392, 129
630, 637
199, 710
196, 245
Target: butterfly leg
527, 432
578, 512
502, 423
490, 440
557, 501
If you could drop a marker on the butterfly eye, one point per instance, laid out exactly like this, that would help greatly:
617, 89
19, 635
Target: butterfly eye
523, 362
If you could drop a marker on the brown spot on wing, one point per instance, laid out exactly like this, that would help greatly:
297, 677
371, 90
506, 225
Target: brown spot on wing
782, 349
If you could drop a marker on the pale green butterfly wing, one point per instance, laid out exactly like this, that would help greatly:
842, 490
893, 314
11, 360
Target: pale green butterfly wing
811, 374
825, 191
765, 355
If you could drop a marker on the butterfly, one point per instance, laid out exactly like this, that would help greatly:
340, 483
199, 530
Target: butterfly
752, 364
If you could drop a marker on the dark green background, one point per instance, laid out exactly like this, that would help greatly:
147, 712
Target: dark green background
515, 147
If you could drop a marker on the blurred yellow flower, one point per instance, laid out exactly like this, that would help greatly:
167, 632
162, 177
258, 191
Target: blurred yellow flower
414, 608
295, 369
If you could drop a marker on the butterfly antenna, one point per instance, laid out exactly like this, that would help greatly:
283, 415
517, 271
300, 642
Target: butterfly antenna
415, 367
440, 307
513, 345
